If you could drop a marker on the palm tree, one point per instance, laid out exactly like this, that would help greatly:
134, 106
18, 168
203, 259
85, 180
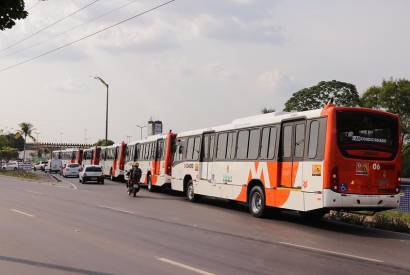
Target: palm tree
26, 130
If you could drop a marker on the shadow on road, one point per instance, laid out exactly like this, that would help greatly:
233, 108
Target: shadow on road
51, 266
322, 224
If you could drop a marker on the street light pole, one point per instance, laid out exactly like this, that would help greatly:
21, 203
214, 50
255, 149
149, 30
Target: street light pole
106, 109
141, 127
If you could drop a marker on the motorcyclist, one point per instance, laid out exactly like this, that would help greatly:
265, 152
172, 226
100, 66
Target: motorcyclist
135, 178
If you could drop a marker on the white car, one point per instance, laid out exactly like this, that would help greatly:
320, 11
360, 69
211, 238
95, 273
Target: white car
10, 166
71, 170
91, 173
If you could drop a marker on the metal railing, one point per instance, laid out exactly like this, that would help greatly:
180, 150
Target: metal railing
405, 199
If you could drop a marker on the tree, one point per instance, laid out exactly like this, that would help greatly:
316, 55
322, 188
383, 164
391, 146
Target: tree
26, 130
103, 142
315, 97
7, 153
267, 110
10, 11
393, 96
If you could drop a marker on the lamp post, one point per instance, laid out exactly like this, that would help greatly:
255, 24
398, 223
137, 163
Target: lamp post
106, 109
141, 127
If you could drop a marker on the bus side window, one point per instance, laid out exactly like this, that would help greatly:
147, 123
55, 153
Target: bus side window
197, 148
221, 147
313, 139
299, 140
272, 142
190, 148
265, 143
231, 145
205, 150
254, 140
242, 148
212, 147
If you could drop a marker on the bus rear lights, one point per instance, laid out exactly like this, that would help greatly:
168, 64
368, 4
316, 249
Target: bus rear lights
334, 179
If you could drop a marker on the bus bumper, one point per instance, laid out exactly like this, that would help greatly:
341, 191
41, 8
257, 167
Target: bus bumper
333, 199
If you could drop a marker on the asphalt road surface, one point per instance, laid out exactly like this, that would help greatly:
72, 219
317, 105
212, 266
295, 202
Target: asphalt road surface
69, 228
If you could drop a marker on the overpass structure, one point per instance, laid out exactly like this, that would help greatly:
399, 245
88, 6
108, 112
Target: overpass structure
51, 146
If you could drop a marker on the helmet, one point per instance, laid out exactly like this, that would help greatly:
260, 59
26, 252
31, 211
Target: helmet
136, 164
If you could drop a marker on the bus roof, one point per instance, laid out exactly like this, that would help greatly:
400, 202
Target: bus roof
257, 120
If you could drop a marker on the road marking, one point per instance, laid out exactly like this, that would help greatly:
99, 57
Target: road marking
199, 271
116, 209
332, 252
70, 183
22, 213
33, 192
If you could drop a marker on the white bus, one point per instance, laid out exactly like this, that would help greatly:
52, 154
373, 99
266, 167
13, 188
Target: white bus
154, 155
112, 159
312, 162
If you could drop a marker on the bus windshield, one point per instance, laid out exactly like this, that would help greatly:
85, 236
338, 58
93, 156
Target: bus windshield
367, 135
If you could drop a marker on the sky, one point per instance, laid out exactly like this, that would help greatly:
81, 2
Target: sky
192, 64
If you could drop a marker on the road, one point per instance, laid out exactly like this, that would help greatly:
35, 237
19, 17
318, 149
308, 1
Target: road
69, 228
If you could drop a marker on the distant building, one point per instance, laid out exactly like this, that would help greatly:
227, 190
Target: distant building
154, 127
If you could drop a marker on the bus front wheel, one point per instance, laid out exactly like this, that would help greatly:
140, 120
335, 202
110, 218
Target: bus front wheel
257, 202
190, 193
150, 187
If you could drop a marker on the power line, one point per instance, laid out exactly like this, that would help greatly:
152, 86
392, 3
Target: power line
86, 36
50, 25
70, 29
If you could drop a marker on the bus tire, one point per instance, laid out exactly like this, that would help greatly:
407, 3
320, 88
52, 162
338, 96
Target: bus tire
190, 193
257, 202
112, 178
150, 187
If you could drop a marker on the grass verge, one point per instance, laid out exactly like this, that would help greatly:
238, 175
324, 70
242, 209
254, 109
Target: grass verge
20, 174
389, 220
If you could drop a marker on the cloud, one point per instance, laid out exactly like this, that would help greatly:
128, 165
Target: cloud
68, 85
237, 29
275, 80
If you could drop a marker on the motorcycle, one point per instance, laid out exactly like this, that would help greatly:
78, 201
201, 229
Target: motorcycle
133, 188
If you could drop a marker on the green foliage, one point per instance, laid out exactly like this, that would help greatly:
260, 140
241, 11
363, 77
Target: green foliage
267, 110
20, 174
103, 142
392, 96
7, 153
10, 11
315, 97
26, 130
11, 140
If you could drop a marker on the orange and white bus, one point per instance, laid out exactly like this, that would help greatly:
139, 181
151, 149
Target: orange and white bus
154, 155
91, 156
335, 158
112, 160
69, 156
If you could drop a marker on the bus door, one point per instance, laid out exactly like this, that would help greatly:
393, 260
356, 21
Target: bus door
207, 154
291, 151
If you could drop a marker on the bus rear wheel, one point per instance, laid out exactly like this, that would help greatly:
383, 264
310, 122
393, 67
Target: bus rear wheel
257, 202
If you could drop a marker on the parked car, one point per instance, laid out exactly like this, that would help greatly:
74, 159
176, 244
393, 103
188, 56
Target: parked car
53, 166
91, 173
40, 166
71, 170
11, 165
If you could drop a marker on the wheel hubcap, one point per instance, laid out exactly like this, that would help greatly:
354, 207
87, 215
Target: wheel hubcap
190, 192
256, 202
